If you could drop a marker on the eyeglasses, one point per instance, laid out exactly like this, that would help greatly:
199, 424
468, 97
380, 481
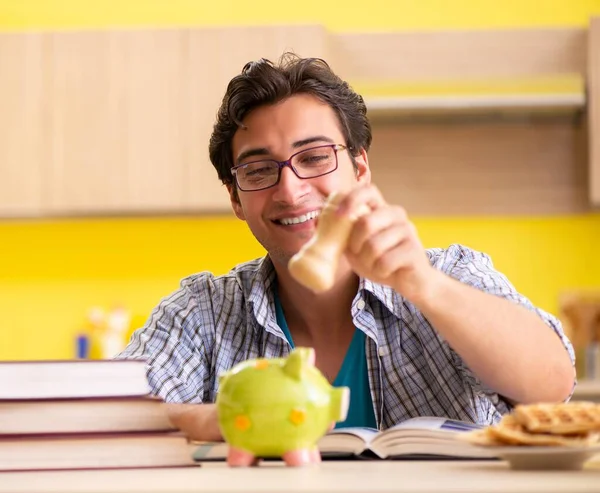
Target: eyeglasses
309, 163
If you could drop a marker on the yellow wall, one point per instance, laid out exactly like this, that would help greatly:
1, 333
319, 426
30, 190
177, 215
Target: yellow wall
349, 15
51, 272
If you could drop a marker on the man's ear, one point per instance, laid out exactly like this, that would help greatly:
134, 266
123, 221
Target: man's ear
235, 202
363, 171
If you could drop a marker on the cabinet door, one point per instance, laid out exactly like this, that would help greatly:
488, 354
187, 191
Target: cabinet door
24, 143
117, 102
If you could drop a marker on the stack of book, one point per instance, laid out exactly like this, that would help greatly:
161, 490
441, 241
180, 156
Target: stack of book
84, 414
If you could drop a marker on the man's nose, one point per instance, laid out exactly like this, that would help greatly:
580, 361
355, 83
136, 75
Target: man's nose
290, 186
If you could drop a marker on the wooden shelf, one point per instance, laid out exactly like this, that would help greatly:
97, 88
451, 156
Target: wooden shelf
460, 104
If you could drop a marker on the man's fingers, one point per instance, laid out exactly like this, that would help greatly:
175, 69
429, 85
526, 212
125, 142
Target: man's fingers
355, 201
372, 240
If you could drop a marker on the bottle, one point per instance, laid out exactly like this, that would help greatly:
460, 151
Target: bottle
117, 326
96, 326
82, 346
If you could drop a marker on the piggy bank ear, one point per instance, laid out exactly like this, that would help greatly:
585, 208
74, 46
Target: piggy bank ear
299, 359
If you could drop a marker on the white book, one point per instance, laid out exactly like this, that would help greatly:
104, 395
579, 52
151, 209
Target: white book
94, 451
83, 415
67, 379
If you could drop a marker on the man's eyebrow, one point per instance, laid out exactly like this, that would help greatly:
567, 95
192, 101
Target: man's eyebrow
263, 151
311, 140
259, 151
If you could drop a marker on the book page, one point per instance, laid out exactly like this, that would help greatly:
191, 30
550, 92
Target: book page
366, 434
434, 423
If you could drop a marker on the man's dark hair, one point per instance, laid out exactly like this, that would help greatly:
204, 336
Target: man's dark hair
264, 83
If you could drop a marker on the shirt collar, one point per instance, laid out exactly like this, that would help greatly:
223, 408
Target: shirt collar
264, 281
260, 300
385, 294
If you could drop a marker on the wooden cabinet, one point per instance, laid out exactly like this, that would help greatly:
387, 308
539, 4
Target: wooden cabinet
484, 167
118, 121
118, 102
24, 140
509, 136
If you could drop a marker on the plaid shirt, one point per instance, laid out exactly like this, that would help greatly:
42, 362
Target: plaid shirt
211, 323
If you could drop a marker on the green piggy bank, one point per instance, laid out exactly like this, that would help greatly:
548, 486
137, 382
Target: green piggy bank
276, 407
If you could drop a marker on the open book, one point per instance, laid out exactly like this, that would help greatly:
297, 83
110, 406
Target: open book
421, 437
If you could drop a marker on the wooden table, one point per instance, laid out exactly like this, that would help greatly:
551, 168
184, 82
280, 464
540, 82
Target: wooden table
347, 477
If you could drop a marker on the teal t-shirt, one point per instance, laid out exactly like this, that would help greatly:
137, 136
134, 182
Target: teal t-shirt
353, 374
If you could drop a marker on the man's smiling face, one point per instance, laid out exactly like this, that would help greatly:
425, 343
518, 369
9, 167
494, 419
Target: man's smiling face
283, 217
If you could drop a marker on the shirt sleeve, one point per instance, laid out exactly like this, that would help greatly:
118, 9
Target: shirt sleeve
176, 354
476, 269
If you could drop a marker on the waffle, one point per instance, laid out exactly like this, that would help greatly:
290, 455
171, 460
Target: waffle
479, 437
571, 418
574, 424
510, 432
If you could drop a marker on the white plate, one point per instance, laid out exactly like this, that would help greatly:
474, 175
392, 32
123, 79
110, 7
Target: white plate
529, 457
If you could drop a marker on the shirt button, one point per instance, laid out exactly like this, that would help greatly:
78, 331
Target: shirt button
361, 304
381, 351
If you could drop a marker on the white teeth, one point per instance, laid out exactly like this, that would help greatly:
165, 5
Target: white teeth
300, 219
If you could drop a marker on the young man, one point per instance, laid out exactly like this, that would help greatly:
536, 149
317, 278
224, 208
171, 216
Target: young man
410, 331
